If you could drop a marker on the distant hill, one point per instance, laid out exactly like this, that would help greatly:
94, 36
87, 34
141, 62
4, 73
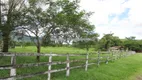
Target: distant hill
24, 38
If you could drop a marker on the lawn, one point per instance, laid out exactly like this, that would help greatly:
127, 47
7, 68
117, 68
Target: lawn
128, 68
59, 50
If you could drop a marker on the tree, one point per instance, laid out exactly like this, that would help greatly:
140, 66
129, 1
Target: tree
87, 40
108, 40
70, 21
34, 22
58, 20
132, 44
131, 38
10, 12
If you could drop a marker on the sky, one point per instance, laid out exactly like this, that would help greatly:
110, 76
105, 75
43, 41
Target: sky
121, 17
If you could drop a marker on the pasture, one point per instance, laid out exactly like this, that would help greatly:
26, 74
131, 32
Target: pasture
127, 68
59, 50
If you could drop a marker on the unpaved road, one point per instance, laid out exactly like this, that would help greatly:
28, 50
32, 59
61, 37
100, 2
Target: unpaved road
139, 77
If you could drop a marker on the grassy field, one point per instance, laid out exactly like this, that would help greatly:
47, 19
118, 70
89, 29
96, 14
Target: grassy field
59, 50
137, 75
128, 68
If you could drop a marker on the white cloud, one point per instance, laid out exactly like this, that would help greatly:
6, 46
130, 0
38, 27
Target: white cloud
129, 26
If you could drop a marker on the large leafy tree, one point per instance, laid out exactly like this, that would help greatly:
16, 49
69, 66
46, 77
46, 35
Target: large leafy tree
70, 22
59, 19
36, 22
10, 12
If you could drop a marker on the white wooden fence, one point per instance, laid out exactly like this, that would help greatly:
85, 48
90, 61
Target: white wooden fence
13, 66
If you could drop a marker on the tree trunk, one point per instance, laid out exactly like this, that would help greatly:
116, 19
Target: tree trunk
5, 42
38, 49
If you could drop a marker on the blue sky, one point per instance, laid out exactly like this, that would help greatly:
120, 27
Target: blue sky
121, 17
124, 14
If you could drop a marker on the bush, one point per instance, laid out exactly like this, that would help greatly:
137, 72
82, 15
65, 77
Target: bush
134, 45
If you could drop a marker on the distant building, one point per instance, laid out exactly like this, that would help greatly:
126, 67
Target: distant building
116, 48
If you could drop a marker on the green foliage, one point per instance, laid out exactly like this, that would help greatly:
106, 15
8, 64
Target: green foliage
130, 43
10, 13
26, 44
12, 44
131, 38
108, 40
135, 45
86, 40
70, 20
60, 19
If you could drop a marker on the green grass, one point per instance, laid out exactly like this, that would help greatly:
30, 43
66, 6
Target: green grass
60, 50
122, 69
136, 76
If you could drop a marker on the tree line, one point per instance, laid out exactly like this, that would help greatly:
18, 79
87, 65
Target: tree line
109, 40
42, 20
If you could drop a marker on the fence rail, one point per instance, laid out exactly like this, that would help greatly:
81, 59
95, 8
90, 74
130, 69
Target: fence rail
12, 67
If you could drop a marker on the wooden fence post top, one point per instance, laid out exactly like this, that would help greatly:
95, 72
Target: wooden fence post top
49, 66
99, 52
87, 58
13, 70
67, 65
67, 54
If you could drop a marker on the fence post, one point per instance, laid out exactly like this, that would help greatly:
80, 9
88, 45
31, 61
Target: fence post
128, 53
117, 55
49, 67
13, 70
86, 66
98, 63
121, 52
107, 58
110, 54
68, 66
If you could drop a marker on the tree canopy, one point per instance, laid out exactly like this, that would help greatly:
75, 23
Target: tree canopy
43, 20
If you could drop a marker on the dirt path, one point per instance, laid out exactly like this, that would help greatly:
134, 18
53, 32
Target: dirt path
136, 76
139, 77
